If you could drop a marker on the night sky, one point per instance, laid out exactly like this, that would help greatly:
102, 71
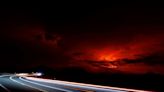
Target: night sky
96, 38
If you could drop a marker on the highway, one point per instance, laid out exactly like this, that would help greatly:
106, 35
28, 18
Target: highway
14, 83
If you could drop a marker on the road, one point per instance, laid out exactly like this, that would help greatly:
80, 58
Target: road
13, 83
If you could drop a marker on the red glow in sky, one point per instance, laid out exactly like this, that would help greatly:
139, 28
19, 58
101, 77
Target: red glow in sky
139, 46
79, 46
114, 52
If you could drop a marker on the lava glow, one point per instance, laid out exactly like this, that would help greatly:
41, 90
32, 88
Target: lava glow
107, 58
109, 55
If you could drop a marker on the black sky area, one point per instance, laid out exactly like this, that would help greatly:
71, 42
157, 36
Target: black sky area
55, 35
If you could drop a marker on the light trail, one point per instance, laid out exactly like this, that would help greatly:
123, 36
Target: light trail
45, 85
11, 78
84, 85
5, 88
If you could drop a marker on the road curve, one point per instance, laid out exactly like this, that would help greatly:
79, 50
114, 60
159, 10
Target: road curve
13, 83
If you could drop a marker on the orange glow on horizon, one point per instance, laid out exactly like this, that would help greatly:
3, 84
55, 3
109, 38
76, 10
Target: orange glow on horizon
107, 58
